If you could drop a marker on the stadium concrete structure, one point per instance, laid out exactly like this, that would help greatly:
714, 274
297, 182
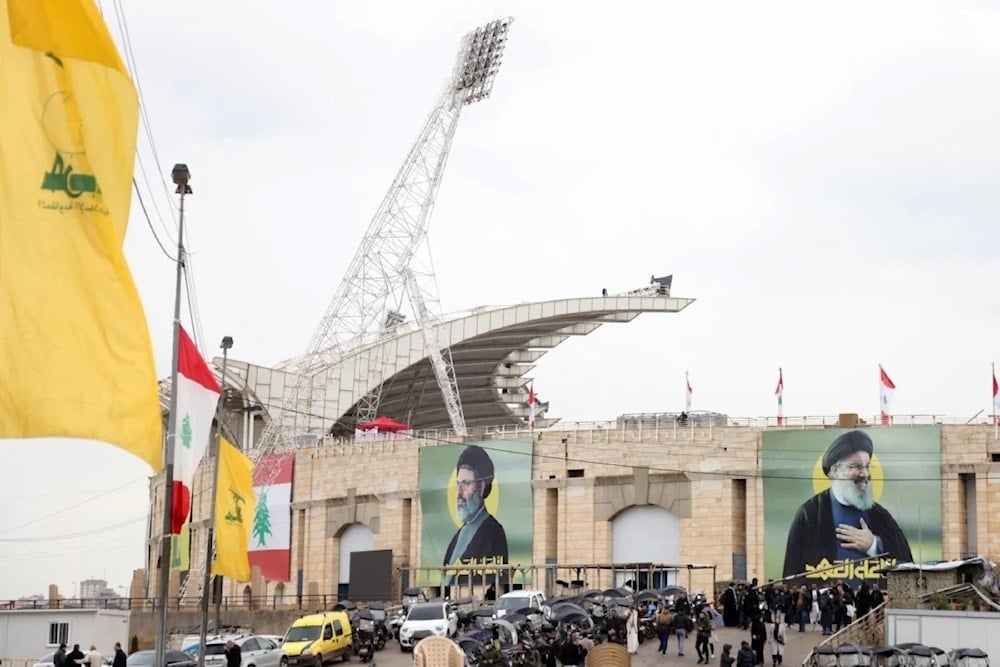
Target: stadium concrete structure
614, 494
602, 494
492, 349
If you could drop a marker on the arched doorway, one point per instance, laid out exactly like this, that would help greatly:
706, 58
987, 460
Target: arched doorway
646, 534
356, 537
279, 593
247, 597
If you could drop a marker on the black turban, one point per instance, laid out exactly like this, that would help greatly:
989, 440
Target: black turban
475, 457
845, 445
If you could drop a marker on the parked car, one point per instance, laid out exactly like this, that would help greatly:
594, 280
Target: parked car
46, 661
255, 650
148, 659
316, 639
425, 619
511, 602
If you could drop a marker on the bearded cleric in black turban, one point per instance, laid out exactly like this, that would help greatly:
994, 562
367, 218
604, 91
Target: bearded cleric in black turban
480, 537
843, 522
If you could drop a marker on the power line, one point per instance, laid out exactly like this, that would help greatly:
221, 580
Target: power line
82, 533
72, 507
105, 547
149, 223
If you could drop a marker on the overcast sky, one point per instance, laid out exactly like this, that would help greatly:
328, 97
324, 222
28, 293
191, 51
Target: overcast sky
821, 177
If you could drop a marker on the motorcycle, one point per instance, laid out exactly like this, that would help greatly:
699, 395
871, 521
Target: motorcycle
364, 637
382, 632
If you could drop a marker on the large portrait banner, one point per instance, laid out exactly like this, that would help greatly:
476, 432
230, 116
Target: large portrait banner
476, 509
844, 504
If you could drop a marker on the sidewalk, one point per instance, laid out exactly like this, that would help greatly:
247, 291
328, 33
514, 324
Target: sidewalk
797, 647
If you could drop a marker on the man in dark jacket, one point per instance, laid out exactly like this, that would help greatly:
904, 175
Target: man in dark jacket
844, 522
234, 656
480, 537
59, 657
73, 656
121, 660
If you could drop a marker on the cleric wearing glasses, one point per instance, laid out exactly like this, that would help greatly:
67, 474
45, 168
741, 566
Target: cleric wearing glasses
844, 523
480, 538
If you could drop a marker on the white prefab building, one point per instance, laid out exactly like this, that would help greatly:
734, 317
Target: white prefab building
945, 629
28, 634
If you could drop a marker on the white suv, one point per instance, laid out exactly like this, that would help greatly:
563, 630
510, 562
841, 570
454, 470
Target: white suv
426, 619
508, 603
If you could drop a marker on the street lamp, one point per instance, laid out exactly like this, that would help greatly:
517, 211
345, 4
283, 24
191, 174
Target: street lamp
206, 585
181, 176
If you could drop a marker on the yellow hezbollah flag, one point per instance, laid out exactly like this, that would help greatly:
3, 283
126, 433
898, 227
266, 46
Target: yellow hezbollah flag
180, 549
74, 350
235, 505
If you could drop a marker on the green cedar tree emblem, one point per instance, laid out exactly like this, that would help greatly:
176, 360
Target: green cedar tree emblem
262, 520
186, 431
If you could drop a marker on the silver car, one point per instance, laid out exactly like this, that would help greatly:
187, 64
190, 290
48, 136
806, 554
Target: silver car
255, 651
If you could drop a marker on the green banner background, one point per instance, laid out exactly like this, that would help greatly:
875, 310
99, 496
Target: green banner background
511, 486
910, 458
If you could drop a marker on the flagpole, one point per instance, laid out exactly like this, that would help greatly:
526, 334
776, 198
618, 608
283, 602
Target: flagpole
181, 176
227, 344
996, 426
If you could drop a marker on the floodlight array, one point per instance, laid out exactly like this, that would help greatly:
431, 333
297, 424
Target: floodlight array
479, 60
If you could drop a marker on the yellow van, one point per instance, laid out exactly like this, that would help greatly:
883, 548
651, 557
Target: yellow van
318, 638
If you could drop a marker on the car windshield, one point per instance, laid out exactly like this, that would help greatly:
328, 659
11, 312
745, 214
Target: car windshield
141, 659
425, 612
302, 633
512, 603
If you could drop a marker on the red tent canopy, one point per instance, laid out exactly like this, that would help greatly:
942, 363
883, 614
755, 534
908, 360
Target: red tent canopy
384, 423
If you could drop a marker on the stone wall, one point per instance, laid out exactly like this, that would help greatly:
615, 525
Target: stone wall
581, 480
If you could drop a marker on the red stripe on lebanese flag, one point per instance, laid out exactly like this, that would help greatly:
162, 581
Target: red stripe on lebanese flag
531, 406
197, 398
280, 466
274, 564
886, 388
996, 399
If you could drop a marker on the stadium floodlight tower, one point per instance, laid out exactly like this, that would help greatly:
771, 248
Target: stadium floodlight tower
393, 263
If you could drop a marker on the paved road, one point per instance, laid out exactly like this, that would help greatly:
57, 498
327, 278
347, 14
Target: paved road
797, 647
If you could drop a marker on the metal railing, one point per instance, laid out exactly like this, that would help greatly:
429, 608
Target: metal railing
289, 601
869, 630
658, 428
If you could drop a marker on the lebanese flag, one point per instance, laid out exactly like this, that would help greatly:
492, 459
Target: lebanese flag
531, 406
780, 393
885, 391
996, 399
690, 393
270, 545
197, 398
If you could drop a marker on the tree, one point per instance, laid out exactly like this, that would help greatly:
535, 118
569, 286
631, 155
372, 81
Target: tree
262, 520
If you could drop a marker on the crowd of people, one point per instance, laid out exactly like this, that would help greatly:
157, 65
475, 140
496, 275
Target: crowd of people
768, 612
93, 658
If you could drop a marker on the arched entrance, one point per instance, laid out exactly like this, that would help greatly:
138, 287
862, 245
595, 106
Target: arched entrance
356, 537
646, 534
279, 594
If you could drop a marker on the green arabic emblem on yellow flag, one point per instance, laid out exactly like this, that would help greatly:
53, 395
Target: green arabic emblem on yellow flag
235, 515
